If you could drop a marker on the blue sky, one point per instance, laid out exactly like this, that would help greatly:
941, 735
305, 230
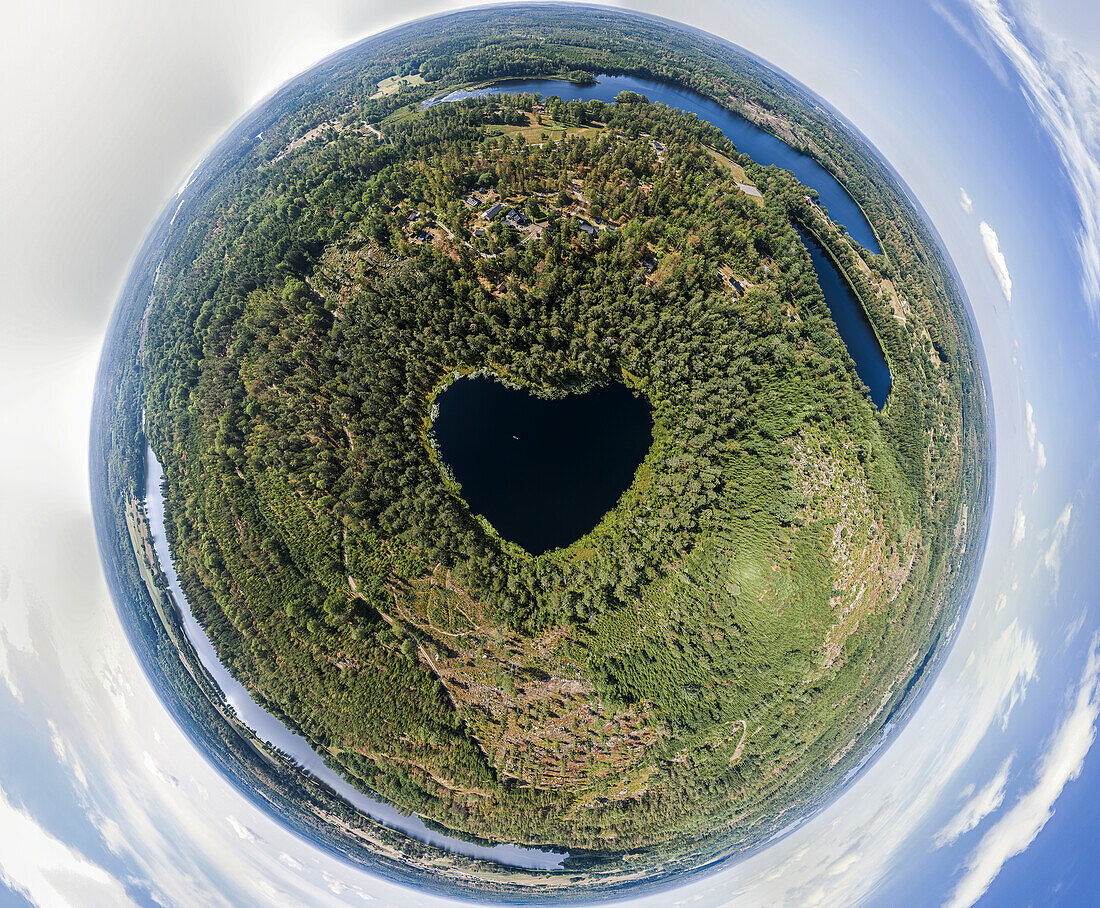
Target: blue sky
989, 111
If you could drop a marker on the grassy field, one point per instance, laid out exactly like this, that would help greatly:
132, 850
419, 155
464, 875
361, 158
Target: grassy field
732, 166
404, 114
393, 84
536, 132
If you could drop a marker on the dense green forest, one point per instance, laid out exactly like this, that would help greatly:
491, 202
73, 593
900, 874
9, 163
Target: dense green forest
725, 644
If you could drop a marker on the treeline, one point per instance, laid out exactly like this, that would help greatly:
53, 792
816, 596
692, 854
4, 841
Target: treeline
296, 343
311, 307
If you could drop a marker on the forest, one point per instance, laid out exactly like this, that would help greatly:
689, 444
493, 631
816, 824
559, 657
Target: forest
290, 387
726, 643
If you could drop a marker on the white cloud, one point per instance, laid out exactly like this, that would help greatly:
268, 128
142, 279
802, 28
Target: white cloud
1063, 89
46, 870
65, 755
242, 831
1041, 456
1052, 558
977, 808
1075, 626
15, 635
980, 42
996, 259
337, 887
292, 863
1019, 525
1012, 661
7, 673
964, 201
1059, 764
272, 896
159, 774
1029, 412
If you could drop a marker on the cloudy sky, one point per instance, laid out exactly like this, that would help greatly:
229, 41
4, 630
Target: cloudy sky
989, 110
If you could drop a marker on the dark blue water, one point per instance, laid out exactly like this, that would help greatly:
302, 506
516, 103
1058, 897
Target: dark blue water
764, 148
851, 321
543, 472
761, 146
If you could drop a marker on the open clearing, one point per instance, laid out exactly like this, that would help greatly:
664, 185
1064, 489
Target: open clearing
393, 84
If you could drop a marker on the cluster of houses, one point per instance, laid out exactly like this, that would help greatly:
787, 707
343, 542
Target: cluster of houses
511, 217
514, 217
421, 236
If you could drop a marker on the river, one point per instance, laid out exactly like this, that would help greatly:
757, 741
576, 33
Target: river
852, 323
764, 148
761, 146
274, 732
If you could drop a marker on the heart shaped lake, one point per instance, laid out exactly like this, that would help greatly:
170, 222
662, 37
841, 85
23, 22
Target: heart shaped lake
543, 472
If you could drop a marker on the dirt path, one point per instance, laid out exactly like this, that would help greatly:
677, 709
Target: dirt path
740, 744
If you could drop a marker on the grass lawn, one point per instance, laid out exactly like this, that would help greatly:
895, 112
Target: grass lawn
534, 131
393, 84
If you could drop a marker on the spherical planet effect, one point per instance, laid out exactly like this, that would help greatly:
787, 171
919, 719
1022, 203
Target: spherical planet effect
743, 627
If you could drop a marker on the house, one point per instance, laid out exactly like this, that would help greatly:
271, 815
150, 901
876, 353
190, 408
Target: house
590, 229
472, 202
515, 218
493, 211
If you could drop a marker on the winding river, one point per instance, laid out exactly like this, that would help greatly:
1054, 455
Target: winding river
761, 146
270, 729
764, 148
